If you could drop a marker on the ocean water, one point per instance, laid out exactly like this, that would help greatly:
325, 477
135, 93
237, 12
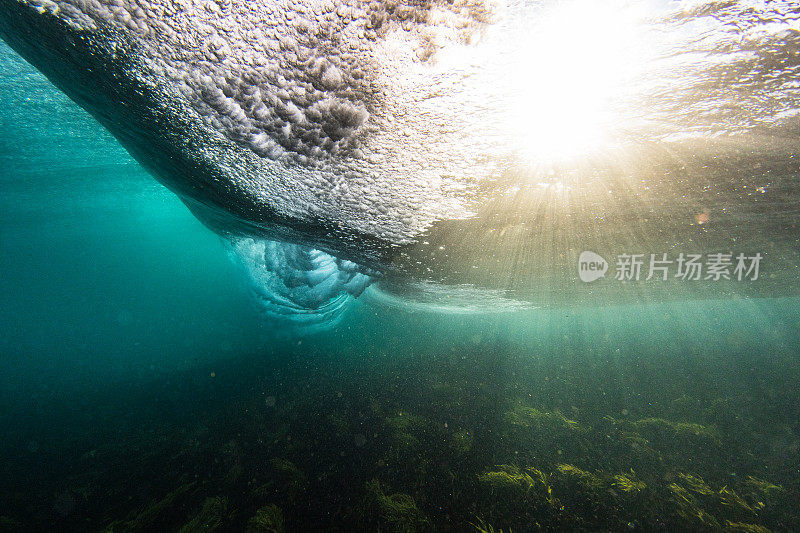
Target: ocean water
142, 387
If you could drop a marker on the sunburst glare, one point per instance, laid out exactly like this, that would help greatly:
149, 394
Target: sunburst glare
579, 67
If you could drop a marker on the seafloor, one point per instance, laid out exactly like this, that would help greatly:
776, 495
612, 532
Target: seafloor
333, 434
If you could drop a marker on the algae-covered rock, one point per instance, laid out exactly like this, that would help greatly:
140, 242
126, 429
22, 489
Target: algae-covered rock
398, 512
212, 516
268, 519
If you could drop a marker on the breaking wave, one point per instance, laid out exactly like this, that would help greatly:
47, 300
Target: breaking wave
297, 283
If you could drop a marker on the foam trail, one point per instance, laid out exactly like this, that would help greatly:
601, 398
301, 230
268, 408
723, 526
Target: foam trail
298, 284
431, 297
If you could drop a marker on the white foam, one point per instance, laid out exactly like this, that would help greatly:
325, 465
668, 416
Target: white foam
297, 283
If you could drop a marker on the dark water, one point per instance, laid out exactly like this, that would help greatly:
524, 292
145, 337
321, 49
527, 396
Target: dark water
141, 389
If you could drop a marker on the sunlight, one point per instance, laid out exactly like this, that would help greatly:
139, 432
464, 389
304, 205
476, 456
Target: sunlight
578, 68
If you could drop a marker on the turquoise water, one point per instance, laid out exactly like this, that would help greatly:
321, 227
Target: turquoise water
141, 387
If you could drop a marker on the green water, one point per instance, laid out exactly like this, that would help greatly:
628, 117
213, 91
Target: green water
142, 390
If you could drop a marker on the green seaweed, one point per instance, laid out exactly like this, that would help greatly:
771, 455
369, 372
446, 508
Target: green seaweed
407, 428
291, 477
628, 484
693, 496
212, 516
8, 524
763, 487
665, 429
594, 473
730, 498
746, 528
338, 421
508, 477
520, 490
145, 519
582, 477
696, 484
461, 441
484, 527
398, 511
522, 415
406, 421
689, 508
268, 519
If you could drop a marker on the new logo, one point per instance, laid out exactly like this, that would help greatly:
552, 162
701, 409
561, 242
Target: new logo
591, 266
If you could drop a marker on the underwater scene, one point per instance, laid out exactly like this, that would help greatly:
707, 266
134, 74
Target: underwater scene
404, 266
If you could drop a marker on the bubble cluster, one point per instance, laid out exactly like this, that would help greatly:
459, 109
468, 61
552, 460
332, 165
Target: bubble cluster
306, 89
